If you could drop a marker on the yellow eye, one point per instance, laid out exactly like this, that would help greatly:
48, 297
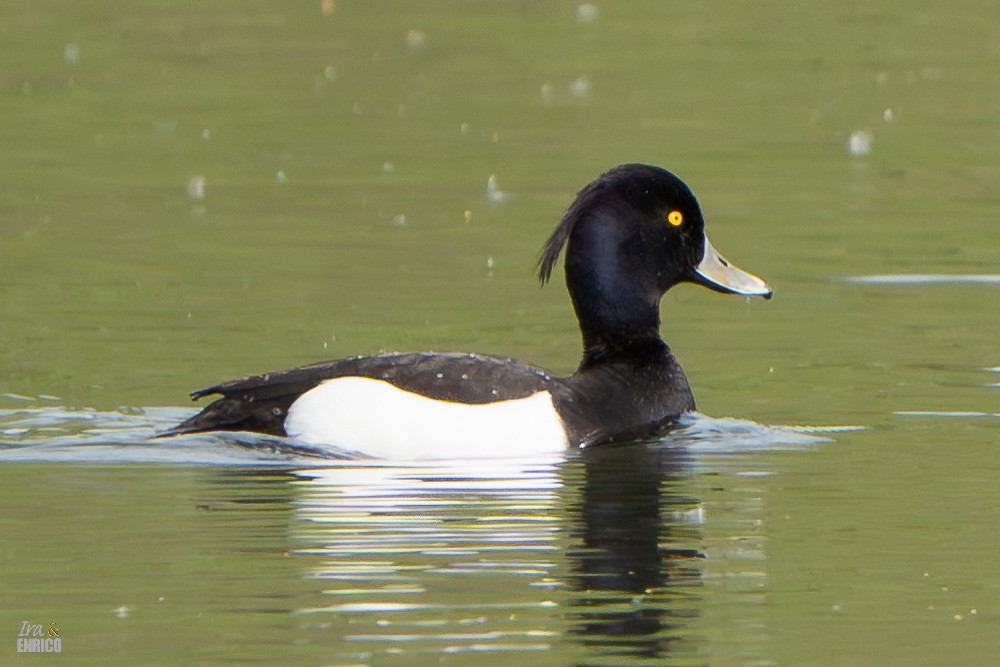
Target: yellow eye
675, 218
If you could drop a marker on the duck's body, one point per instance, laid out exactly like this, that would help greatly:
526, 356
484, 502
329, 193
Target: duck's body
630, 236
380, 404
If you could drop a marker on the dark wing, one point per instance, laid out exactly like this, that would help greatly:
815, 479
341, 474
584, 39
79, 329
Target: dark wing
260, 403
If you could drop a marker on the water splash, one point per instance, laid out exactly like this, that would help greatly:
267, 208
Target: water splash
129, 435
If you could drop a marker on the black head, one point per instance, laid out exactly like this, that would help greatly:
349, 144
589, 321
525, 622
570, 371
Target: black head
630, 236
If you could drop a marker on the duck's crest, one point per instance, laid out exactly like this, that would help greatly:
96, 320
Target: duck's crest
550, 251
631, 182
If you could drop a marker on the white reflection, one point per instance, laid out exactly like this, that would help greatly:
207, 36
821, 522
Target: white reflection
927, 279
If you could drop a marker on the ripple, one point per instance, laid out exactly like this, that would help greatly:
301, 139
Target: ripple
129, 435
961, 414
926, 279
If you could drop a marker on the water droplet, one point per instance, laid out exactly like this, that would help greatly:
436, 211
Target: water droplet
72, 53
547, 91
415, 39
165, 127
196, 188
493, 192
586, 13
580, 87
859, 143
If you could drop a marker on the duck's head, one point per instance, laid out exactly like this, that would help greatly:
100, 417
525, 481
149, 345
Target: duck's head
631, 235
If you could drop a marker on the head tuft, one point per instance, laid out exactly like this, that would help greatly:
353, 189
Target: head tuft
636, 184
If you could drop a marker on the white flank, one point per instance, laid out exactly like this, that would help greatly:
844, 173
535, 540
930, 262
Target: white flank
378, 419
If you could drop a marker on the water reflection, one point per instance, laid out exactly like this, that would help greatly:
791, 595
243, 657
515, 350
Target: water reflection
442, 559
635, 568
584, 558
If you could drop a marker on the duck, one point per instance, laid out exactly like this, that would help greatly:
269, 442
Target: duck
629, 236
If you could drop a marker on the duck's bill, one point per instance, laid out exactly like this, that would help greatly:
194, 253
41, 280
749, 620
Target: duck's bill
718, 274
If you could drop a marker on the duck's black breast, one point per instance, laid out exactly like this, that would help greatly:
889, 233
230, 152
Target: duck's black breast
625, 396
260, 403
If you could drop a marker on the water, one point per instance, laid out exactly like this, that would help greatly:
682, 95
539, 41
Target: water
622, 554
195, 193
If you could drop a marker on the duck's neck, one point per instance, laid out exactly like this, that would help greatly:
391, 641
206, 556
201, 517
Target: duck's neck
615, 291
616, 319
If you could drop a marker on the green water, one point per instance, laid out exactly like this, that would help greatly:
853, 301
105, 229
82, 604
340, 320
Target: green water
345, 157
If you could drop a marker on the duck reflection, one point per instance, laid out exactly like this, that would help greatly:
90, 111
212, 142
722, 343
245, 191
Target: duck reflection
636, 571
594, 559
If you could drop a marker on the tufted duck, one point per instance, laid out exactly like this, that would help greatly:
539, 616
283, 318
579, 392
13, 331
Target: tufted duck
630, 235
